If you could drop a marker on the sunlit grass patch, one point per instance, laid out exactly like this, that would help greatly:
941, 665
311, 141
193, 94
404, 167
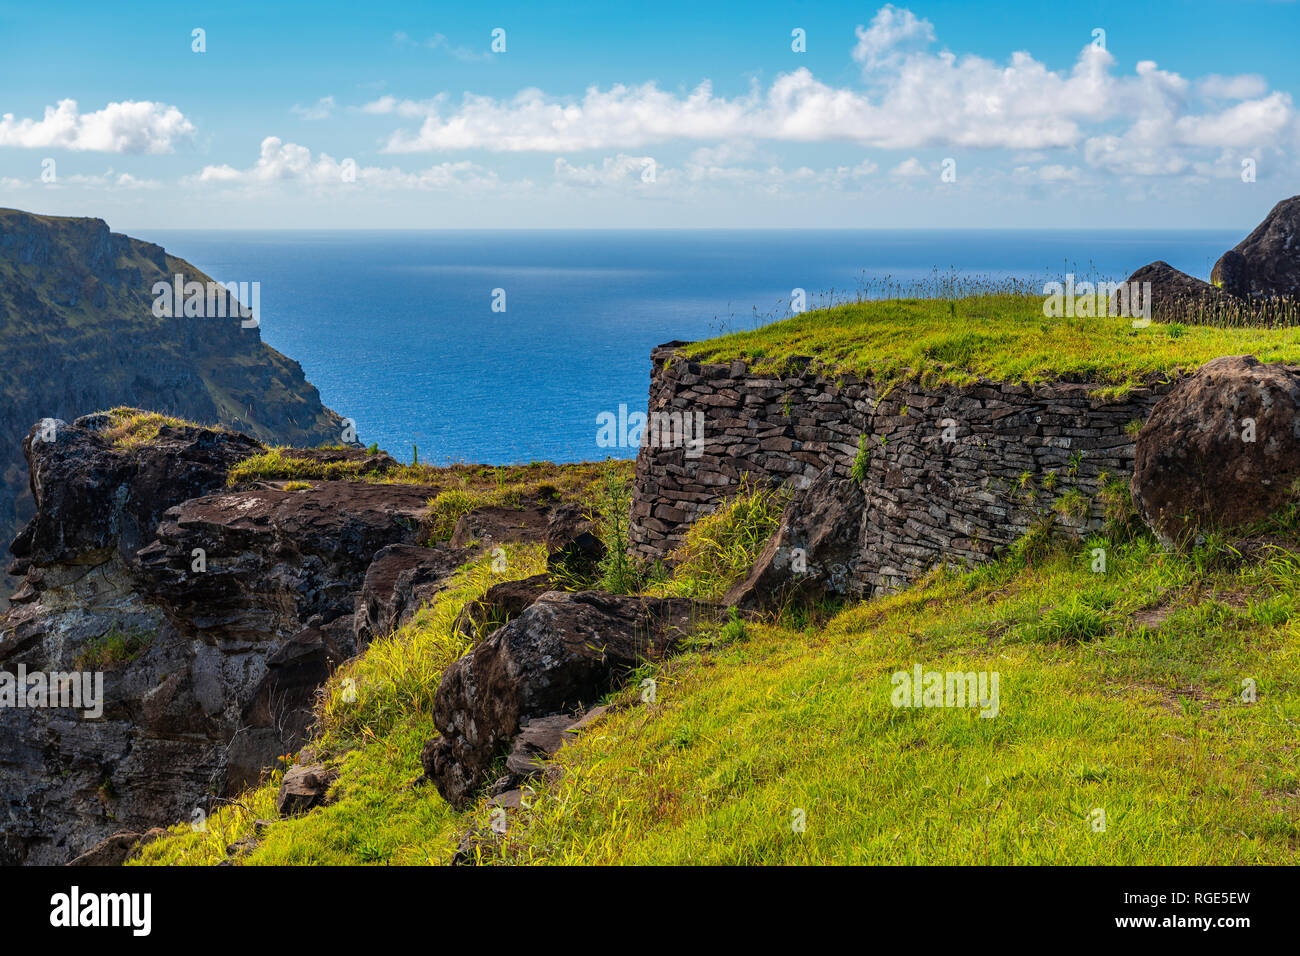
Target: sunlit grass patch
1002, 337
132, 427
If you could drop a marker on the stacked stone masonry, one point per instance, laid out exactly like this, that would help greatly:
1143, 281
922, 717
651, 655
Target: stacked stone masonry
955, 473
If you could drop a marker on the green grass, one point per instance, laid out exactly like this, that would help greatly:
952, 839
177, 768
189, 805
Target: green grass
1146, 723
1119, 691
133, 428
719, 549
999, 337
112, 649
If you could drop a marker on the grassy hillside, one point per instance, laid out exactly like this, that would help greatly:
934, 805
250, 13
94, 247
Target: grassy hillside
1158, 697
1000, 337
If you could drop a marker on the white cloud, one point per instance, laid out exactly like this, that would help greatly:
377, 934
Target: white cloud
281, 162
127, 127
440, 42
411, 109
613, 170
910, 168
891, 34
322, 110
1150, 121
1242, 87
1051, 173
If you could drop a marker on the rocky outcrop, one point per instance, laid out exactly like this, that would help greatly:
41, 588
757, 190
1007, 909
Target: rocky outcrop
501, 603
211, 614
1222, 450
1172, 292
560, 655
495, 525
1267, 262
274, 559
78, 334
814, 549
94, 496
401, 579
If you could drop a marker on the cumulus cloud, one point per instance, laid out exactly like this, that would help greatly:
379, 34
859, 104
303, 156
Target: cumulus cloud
891, 34
281, 162
911, 98
126, 127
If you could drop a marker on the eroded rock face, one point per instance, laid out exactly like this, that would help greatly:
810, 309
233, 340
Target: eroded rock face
209, 667
1267, 262
559, 655
1221, 450
400, 580
92, 497
273, 559
815, 549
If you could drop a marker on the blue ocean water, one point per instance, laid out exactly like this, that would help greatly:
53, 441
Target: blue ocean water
397, 329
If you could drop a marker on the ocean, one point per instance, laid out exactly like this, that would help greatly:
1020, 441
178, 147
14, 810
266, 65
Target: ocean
398, 329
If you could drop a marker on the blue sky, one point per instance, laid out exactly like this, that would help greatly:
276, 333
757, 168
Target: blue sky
661, 115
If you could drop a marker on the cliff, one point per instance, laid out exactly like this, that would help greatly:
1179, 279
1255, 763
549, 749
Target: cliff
78, 334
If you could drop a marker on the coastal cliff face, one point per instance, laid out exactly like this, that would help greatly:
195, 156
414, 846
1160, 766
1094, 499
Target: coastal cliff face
78, 335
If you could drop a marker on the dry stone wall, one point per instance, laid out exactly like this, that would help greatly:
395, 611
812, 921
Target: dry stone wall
955, 473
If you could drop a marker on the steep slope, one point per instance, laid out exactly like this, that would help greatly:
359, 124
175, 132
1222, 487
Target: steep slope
1142, 714
78, 334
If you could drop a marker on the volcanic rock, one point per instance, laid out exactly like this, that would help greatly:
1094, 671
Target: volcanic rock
1220, 451
559, 655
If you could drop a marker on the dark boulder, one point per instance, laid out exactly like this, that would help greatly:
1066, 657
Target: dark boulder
501, 603
494, 525
539, 740
116, 849
1173, 293
401, 579
273, 559
304, 788
813, 552
1267, 262
560, 655
573, 549
1221, 450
